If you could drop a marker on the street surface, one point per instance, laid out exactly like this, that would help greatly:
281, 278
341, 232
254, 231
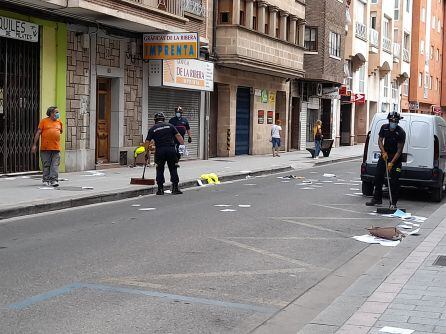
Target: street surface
183, 265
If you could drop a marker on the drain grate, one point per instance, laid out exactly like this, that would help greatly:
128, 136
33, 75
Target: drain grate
440, 261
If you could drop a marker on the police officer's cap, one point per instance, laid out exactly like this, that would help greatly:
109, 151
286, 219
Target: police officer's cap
394, 115
159, 116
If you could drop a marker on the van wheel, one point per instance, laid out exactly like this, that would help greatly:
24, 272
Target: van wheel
437, 194
367, 188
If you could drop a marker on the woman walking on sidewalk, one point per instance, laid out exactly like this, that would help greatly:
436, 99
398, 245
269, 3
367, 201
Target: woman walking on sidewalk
317, 131
275, 137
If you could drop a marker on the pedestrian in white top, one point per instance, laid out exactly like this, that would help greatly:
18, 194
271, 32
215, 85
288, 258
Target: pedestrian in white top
275, 137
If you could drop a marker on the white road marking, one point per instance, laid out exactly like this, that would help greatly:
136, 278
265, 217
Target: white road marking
231, 273
267, 253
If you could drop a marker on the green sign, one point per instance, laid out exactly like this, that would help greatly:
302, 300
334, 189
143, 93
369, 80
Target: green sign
264, 96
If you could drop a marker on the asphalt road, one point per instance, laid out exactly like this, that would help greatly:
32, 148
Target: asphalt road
183, 265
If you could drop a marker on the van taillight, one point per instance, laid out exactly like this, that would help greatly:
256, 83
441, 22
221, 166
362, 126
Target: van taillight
436, 151
366, 148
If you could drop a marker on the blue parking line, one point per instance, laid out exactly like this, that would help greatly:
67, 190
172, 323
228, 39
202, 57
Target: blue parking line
166, 296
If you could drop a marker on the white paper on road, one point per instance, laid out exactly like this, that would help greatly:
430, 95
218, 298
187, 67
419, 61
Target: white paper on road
307, 182
222, 205
313, 172
396, 330
94, 174
360, 194
354, 189
46, 188
315, 186
87, 188
327, 181
228, 210
414, 232
329, 175
168, 191
249, 184
9, 178
342, 183
27, 177
370, 239
147, 209
136, 205
307, 188
244, 205
353, 195
407, 227
246, 171
416, 219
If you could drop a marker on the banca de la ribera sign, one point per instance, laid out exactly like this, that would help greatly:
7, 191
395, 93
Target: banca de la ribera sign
181, 45
16, 29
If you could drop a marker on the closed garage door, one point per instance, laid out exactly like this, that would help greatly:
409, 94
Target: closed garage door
242, 121
165, 100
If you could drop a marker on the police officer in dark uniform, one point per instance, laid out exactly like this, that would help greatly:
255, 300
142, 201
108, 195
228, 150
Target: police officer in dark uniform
182, 125
391, 143
163, 135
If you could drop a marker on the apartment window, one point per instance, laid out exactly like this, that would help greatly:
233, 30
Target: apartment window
437, 55
407, 6
334, 44
374, 1
395, 35
406, 41
360, 11
311, 39
423, 14
361, 80
438, 26
386, 29
433, 22
396, 11
420, 79
406, 87
386, 86
373, 20
432, 52
348, 81
254, 17
394, 90
422, 47
225, 10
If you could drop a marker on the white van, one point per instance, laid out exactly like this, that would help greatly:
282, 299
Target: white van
424, 153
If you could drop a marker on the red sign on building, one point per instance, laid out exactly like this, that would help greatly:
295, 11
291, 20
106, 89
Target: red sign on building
358, 98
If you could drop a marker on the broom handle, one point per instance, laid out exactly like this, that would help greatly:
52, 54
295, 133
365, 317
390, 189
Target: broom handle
144, 171
388, 184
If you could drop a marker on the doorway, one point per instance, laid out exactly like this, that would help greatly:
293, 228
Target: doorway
103, 111
243, 110
346, 114
295, 124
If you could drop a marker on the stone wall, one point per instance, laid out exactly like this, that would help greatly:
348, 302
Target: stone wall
133, 92
108, 52
78, 91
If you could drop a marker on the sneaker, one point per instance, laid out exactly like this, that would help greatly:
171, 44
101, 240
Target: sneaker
373, 202
54, 184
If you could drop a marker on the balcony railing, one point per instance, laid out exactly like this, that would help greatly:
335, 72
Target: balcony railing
374, 38
396, 51
171, 6
406, 55
361, 31
387, 45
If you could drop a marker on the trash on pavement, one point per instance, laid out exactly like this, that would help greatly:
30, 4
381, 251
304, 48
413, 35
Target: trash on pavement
407, 227
370, 239
307, 188
222, 205
396, 330
328, 175
249, 184
389, 233
168, 191
46, 188
136, 205
307, 182
200, 183
87, 188
244, 205
147, 209
228, 210
401, 214
414, 232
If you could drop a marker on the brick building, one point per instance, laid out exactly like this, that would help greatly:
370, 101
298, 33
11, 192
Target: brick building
324, 71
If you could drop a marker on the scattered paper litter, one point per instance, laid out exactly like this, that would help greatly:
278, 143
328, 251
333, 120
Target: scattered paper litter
244, 205
327, 181
307, 188
87, 188
396, 330
200, 183
147, 209
228, 210
94, 174
246, 171
313, 172
168, 191
354, 189
136, 205
285, 181
27, 177
353, 195
249, 184
373, 213
414, 232
46, 188
63, 180
359, 194
407, 227
342, 183
401, 214
315, 186
370, 239
222, 205
307, 182
10, 178
329, 175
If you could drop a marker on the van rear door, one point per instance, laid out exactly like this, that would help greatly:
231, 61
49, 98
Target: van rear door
420, 143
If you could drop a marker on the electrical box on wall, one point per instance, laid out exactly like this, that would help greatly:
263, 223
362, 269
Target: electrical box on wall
155, 73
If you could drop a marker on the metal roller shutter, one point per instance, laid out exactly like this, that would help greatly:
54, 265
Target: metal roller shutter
165, 100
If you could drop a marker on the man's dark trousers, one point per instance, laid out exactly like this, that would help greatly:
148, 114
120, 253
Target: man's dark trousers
394, 175
163, 155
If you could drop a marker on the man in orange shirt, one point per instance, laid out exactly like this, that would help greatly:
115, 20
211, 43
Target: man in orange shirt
50, 129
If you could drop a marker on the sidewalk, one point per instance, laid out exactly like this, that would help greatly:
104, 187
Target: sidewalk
24, 195
404, 291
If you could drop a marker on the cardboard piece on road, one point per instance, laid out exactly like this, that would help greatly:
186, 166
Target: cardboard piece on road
388, 233
370, 239
396, 330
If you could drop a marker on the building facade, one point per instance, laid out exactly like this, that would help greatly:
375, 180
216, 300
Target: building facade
324, 42
258, 50
425, 89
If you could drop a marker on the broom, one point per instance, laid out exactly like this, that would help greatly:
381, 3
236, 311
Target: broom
142, 181
391, 209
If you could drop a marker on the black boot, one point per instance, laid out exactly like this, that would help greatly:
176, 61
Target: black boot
175, 190
373, 202
160, 190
